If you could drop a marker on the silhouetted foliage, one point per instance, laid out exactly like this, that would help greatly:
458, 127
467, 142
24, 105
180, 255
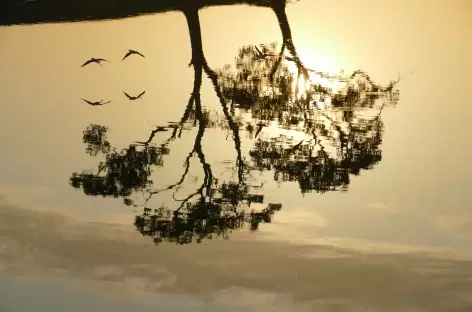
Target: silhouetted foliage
205, 217
122, 172
95, 136
308, 127
346, 120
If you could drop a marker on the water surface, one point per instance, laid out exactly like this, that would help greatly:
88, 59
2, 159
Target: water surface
351, 202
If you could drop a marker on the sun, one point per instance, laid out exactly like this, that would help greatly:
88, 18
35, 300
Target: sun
319, 61
322, 71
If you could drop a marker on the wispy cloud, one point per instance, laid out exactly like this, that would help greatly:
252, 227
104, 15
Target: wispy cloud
457, 224
383, 207
238, 274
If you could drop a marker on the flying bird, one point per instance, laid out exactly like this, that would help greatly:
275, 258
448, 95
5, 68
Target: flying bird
95, 60
132, 98
132, 52
96, 103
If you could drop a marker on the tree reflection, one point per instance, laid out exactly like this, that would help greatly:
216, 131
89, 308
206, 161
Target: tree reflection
308, 127
318, 136
123, 172
214, 208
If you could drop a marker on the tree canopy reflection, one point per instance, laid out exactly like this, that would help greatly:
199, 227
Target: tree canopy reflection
305, 126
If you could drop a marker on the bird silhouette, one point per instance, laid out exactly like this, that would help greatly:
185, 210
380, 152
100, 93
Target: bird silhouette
96, 103
132, 52
132, 98
95, 60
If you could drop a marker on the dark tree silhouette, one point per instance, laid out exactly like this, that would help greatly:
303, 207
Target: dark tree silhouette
319, 115
218, 208
123, 172
303, 129
95, 136
14, 12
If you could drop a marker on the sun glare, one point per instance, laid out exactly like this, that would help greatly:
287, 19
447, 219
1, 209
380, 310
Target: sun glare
302, 85
325, 78
319, 62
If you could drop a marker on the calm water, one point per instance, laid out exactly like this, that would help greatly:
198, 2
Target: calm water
333, 176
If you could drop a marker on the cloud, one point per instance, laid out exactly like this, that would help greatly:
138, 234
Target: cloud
461, 225
238, 274
292, 225
295, 217
382, 207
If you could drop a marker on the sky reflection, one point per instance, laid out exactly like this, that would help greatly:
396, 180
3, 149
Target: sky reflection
396, 239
